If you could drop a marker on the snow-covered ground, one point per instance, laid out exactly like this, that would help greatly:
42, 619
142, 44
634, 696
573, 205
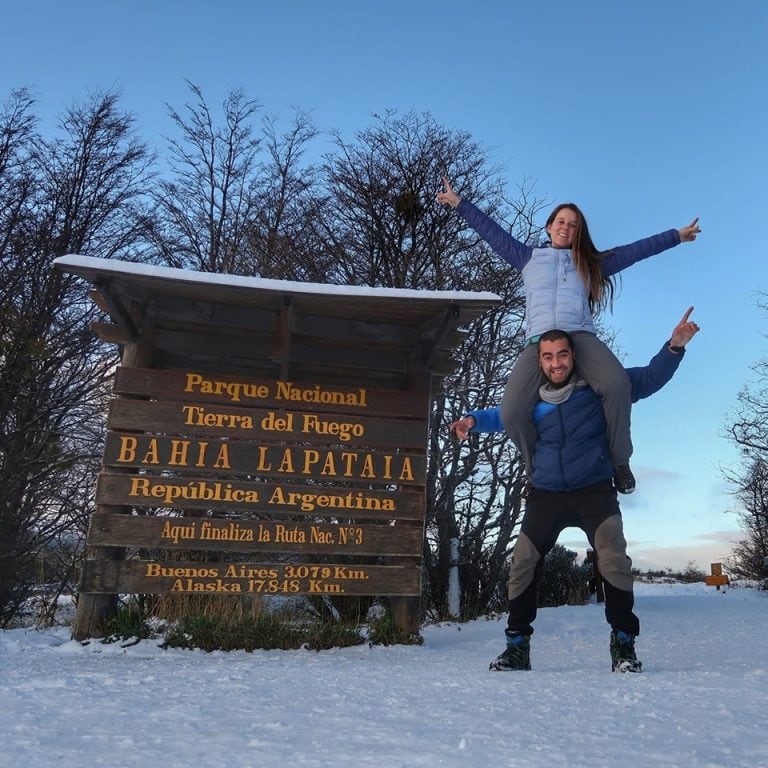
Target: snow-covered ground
702, 701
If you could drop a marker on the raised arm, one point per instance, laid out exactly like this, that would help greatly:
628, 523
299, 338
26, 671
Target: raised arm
626, 255
511, 250
649, 379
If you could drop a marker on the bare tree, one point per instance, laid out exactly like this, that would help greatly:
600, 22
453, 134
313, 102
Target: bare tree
748, 558
382, 226
239, 195
748, 429
749, 422
282, 242
79, 193
205, 206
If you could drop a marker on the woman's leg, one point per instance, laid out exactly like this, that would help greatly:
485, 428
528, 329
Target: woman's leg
606, 375
520, 396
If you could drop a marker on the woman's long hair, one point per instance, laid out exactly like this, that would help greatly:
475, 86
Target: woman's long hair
587, 260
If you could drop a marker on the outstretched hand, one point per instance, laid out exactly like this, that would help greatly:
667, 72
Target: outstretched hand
448, 196
688, 234
460, 429
684, 331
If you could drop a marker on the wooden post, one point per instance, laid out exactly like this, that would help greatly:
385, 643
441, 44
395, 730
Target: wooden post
92, 609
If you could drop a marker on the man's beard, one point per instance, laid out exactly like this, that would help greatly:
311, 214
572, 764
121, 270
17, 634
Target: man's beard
559, 384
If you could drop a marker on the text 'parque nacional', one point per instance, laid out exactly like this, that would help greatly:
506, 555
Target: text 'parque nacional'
283, 390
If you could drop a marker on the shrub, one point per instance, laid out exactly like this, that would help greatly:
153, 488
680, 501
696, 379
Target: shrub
562, 581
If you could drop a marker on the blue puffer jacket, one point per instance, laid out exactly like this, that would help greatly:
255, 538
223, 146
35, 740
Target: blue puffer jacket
572, 445
554, 291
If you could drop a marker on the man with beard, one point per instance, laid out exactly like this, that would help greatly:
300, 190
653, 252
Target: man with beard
571, 485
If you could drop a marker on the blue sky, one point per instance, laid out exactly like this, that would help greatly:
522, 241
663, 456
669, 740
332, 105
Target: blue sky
645, 114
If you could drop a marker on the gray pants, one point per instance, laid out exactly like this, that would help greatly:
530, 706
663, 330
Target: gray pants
602, 371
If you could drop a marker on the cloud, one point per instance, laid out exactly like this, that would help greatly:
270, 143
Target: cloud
706, 548
703, 549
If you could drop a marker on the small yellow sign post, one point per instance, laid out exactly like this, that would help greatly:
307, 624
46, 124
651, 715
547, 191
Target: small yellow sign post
717, 577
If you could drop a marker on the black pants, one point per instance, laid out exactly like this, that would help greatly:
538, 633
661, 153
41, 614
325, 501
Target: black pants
595, 510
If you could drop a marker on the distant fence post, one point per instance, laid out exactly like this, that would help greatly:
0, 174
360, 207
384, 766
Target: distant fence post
454, 586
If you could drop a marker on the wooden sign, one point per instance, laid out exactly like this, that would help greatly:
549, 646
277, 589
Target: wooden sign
254, 417
193, 492
717, 577
264, 425
244, 392
151, 577
239, 457
255, 535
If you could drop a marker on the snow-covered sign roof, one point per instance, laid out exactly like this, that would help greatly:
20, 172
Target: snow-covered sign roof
276, 327
137, 274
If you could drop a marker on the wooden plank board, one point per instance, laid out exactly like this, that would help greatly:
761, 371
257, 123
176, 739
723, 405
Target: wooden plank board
266, 425
152, 577
188, 492
234, 346
217, 535
238, 457
242, 391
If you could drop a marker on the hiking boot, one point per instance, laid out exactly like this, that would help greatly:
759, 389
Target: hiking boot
623, 479
517, 654
623, 658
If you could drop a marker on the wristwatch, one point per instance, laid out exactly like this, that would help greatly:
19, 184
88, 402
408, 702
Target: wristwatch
673, 348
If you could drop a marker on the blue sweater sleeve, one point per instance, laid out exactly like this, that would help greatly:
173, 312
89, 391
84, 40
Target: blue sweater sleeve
487, 420
512, 251
648, 379
626, 255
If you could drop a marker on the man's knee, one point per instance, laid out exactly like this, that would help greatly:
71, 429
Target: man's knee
525, 558
611, 547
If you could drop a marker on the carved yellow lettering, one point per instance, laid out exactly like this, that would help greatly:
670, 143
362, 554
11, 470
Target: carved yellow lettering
193, 379
189, 413
368, 470
139, 486
179, 449
127, 449
286, 465
222, 460
310, 459
329, 468
318, 536
407, 470
152, 456
263, 465
349, 460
